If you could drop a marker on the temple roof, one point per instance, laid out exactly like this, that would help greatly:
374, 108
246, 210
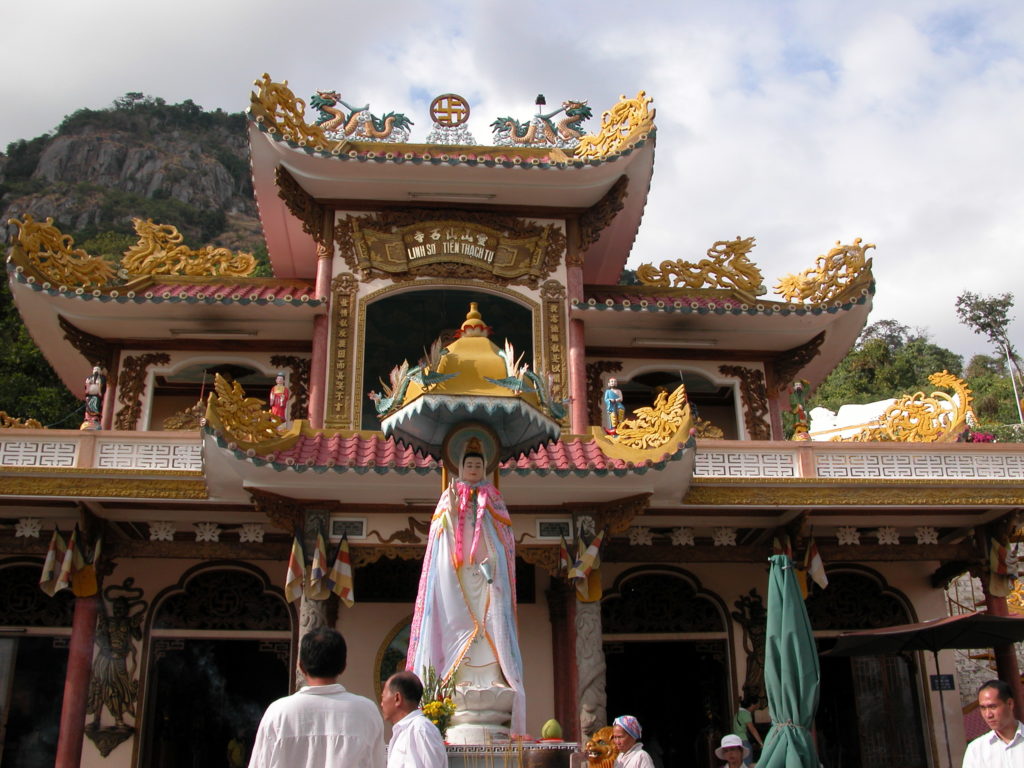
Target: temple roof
540, 182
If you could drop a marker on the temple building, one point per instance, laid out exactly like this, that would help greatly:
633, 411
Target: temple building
232, 415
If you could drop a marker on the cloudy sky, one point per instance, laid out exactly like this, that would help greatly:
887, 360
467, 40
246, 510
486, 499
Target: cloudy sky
799, 122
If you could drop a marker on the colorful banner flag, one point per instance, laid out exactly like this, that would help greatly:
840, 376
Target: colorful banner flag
318, 588
70, 563
814, 566
341, 575
52, 565
296, 577
564, 558
84, 582
588, 563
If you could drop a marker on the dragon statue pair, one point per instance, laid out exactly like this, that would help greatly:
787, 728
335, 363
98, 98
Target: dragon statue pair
358, 123
541, 130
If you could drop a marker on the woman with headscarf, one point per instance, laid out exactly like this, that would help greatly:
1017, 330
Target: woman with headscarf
626, 737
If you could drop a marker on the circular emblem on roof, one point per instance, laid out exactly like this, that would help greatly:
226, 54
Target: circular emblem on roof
449, 110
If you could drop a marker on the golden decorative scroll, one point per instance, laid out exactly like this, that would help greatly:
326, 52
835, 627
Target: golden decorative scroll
727, 266
160, 251
275, 106
10, 422
622, 126
1015, 600
830, 276
854, 493
555, 352
344, 288
53, 255
915, 418
654, 427
79, 486
708, 430
187, 419
243, 419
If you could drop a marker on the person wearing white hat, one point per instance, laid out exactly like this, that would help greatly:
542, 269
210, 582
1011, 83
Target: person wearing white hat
732, 751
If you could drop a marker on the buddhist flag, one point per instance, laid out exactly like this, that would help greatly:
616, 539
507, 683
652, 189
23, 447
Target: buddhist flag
341, 575
814, 565
588, 563
51, 567
70, 563
84, 582
564, 559
296, 573
319, 588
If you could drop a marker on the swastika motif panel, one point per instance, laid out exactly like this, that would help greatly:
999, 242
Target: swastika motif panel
745, 464
38, 453
947, 466
135, 455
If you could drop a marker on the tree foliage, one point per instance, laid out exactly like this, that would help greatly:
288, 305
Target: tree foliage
888, 360
29, 387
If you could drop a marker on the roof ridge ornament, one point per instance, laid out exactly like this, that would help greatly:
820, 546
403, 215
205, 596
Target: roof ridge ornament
831, 275
727, 266
622, 127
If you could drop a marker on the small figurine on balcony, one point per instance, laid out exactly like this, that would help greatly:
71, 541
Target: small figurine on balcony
279, 397
614, 411
95, 385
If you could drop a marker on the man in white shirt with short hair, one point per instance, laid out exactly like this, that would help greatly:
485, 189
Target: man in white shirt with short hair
1003, 746
321, 725
415, 741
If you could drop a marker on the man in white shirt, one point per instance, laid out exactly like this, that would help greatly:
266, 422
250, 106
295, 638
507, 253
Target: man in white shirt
321, 725
415, 741
1003, 746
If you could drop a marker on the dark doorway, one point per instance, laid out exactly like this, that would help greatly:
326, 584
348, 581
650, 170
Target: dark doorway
401, 327
204, 693
33, 695
678, 690
868, 713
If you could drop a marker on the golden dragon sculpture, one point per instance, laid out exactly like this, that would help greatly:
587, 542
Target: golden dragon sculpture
727, 266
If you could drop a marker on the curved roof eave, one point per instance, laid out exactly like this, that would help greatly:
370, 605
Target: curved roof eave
543, 183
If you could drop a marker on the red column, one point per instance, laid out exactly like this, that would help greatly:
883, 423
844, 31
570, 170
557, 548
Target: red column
1006, 657
76, 683
577, 377
318, 372
562, 613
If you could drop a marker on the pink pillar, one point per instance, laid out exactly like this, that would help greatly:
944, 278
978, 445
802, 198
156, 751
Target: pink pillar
109, 403
578, 377
76, 683
318, 373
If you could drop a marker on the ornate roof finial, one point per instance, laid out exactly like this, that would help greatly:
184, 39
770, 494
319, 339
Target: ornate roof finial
474, 324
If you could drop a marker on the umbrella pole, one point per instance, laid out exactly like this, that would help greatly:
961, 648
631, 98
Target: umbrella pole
942, 707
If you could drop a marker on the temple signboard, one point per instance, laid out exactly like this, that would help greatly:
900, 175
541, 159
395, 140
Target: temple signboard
400, 249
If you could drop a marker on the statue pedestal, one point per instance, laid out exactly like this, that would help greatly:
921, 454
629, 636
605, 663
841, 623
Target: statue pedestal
517, 755
482, 715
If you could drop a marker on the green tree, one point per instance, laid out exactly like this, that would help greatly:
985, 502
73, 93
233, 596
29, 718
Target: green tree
888, 360
29, 387
989, 316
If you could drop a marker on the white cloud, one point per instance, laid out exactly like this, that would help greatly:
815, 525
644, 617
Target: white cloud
798, 122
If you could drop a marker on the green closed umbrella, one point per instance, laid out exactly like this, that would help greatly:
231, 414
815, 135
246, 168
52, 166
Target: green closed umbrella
791, 673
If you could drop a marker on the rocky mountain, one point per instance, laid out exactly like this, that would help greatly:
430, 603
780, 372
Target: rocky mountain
174, 163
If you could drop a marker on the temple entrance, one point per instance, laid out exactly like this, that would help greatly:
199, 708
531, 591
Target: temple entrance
869, 713
33, 664
678, 690
206, 693
666, 648
32, 670
219, 652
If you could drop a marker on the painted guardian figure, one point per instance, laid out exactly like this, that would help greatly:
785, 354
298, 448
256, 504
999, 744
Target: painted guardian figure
464, 625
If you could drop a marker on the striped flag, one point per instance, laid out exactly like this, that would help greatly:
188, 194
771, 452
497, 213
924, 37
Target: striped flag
814, 565
70, 563
52, 565
564, 559
588, 563
318, 588
341, 575
84, 582
296, 573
